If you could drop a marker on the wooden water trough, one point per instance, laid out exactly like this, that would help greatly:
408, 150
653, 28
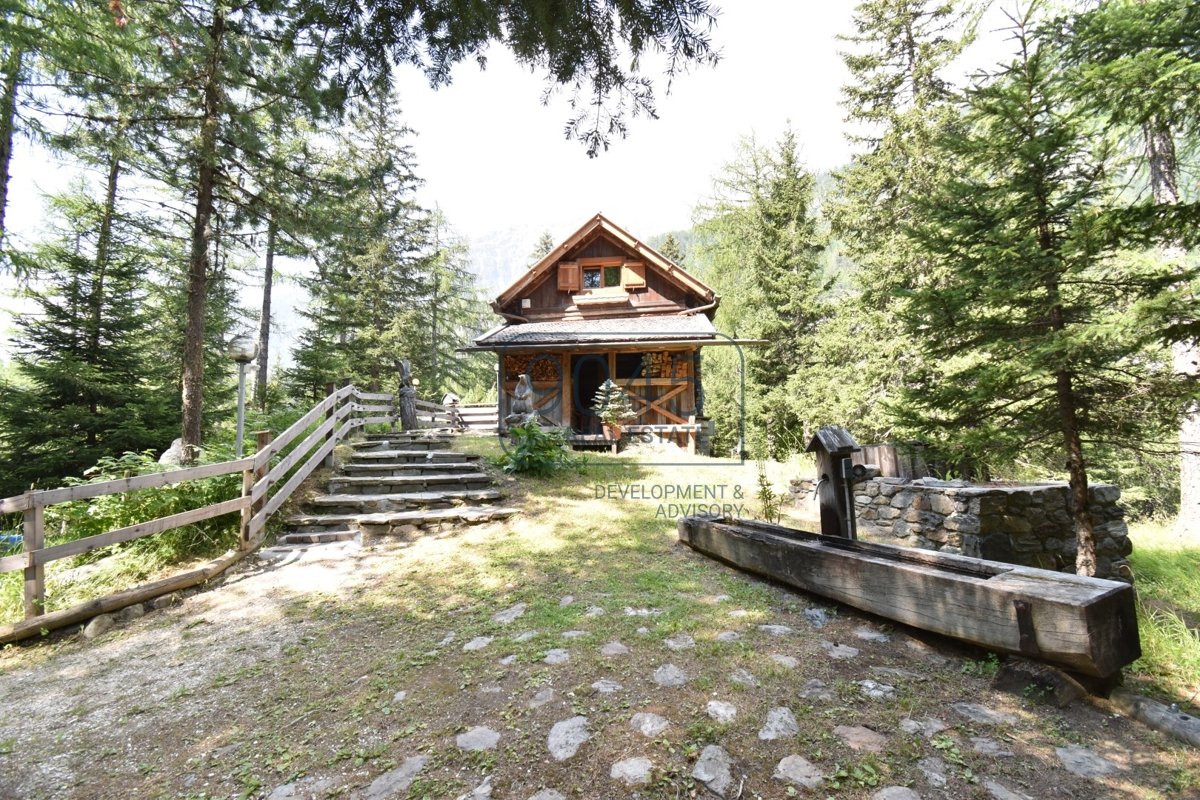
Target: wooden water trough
1086, 625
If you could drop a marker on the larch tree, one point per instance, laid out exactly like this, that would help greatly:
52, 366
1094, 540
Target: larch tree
1031, 317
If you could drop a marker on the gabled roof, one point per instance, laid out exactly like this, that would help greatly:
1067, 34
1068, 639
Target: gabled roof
595, 226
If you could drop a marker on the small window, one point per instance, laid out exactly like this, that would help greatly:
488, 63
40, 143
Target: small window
591, 279
612, 276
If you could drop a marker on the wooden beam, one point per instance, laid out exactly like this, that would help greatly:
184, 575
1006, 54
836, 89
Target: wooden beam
34, 529
1087, 625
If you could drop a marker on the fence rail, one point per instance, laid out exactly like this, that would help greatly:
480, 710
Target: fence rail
344, 410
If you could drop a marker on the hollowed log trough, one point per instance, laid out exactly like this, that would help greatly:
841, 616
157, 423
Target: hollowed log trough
1086, 625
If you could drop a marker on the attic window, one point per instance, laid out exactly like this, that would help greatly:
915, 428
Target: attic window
601, 277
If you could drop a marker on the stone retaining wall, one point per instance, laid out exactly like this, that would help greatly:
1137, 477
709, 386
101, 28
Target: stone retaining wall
1027, 524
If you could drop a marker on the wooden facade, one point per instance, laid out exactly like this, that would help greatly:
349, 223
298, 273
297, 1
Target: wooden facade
603, 305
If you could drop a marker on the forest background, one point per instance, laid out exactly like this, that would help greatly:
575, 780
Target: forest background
1000, 269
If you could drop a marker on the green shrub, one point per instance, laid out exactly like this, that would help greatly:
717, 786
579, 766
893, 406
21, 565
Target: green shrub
536, 450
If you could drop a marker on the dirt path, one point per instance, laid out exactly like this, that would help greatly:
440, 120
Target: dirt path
575, 651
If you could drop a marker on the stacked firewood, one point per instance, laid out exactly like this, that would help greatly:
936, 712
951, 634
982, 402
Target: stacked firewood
539, 368
665, 365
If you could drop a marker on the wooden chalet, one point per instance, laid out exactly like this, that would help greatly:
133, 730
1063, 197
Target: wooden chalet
604, 305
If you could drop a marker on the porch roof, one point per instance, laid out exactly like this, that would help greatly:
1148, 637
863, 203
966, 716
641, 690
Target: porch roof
611, 330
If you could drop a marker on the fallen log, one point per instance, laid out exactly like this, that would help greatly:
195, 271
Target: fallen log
1087, 625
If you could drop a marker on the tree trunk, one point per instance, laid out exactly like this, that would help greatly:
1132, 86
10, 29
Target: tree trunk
99, 274
1085, 556
8, 120
264, 325
1185, 355
197, 280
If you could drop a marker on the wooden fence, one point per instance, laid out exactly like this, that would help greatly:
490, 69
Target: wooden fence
435, 415
265, 487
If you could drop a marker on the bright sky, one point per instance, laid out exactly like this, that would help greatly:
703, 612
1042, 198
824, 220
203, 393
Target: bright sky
494, 157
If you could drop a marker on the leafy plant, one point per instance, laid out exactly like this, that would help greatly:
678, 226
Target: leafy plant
536, 450
769, 501
611, 404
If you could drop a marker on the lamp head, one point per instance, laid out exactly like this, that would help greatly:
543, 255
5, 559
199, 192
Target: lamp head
242, 348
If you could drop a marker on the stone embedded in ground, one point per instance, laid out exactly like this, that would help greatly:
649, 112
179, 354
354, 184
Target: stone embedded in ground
877, 691
721, 598
721, 711
547, 794
856, 737
304, 787
447, 639
509, 614
680, 641
632, 771
566, 737
395, 783
605, 686
840, 652
478, 738
999, 791
491, 688
714, 769
871, 635
594, 611
787, 662
817, 617
478, 643
781, 723
1084, 763
927, 727
934, 770
670, 676
541, 698
481, 792
743, 677
727, 637
984, 715
776, 630
614, 649
642, 612
566, 601
574, 634
815, 689
989, 747
130, 613
798, 770
648, 724
524, 636
895, 793
508, 661
643, 631
399, 696
896, 672
99, 626
738, 613
557, 656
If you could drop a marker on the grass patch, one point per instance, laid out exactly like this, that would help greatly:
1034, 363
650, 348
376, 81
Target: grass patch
1166, 568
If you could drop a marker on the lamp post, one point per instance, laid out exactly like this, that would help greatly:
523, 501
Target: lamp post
242, 349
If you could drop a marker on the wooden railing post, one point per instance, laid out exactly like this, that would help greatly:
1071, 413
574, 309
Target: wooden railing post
34, 525
262, 440
330, 388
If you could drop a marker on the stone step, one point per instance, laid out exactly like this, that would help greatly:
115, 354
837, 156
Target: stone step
401, 521
416, 468
377, 484
373, 503
396, 443
309, 552
408, 456
322, 537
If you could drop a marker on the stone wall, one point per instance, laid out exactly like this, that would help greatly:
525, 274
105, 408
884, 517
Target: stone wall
1027, 524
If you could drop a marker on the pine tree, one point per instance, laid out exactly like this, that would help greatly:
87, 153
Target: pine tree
670, 248
545, 244
90, 389
1025, 306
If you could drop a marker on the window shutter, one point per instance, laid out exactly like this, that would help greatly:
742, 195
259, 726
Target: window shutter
568, 276
633, 275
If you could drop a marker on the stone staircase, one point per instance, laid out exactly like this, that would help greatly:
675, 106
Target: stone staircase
396, 484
